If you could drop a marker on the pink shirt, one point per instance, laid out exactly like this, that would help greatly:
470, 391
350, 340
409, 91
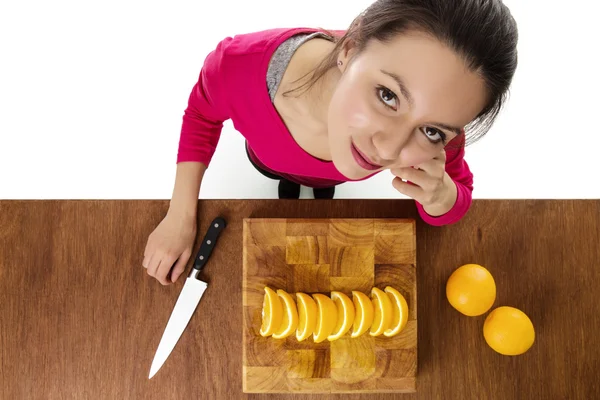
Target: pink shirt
232, 85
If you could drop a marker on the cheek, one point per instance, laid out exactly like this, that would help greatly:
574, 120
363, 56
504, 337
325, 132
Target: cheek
357, 112
349, 108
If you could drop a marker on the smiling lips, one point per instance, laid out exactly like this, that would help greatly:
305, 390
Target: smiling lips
362, 160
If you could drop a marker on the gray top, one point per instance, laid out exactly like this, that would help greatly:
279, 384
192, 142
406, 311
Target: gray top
282, 56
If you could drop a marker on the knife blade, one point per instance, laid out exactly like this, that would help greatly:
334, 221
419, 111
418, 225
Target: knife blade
188, 299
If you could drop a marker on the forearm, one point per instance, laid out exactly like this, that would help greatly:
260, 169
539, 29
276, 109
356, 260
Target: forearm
188, 179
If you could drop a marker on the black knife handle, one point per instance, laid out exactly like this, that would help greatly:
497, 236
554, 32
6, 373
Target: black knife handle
210, 239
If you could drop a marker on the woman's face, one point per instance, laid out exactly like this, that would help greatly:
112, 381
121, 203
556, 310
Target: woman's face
398, 104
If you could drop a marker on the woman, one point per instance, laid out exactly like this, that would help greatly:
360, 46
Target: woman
401, 89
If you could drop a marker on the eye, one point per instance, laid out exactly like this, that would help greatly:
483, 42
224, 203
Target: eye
434, 135
387, 97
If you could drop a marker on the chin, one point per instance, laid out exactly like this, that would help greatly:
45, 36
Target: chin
349, 169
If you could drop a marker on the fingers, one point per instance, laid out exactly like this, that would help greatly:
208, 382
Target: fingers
158, 265
146, 261
180, 265
157, 262
416, 176
151, 264
408, 189
148, 251
164, 268
434, 167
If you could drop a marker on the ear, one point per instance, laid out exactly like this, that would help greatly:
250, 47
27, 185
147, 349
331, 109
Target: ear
346, 53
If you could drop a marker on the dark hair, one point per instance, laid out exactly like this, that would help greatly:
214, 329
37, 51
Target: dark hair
483, 32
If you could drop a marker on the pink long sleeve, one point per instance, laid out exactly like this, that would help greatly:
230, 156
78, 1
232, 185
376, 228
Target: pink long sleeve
206, 111
458, 169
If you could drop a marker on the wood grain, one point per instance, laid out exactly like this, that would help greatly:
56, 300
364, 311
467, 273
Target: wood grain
80, 319
323, 255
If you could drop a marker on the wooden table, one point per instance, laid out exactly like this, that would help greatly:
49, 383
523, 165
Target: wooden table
80, 319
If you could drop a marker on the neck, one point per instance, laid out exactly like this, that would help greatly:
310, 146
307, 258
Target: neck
312, 104
316, 100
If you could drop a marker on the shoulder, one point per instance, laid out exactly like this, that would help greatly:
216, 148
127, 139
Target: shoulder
260, 42
243, 59
244, 55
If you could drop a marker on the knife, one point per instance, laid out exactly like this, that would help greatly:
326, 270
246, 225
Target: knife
188, 300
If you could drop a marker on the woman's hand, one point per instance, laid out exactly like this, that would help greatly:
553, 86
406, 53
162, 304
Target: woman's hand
171, 241
429, 184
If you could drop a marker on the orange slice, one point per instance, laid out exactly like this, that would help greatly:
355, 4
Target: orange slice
307, 316
400, 312
364, 313
345, 315
326, 318
383, 311
272, 313
289, 322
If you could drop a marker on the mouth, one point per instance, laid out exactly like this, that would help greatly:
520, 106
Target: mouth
362, 160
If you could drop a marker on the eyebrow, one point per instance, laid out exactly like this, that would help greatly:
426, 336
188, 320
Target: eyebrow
411, 101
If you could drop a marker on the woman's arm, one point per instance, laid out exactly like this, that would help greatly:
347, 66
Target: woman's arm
458, 171
188, 179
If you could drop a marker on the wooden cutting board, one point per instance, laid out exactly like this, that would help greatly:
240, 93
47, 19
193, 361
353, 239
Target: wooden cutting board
318, 256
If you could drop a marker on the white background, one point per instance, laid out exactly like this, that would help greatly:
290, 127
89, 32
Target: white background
92, 95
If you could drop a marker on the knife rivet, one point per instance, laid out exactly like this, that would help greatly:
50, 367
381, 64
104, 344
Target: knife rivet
208, 242
216, 225
202, 257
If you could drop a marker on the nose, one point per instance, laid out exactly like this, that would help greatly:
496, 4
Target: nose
390, 142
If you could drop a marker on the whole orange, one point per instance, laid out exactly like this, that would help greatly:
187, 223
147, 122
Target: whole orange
471, 290
508, 331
